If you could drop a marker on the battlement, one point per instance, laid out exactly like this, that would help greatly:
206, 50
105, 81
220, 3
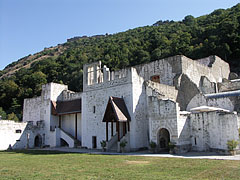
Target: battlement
68, 95
95, 76
162, 71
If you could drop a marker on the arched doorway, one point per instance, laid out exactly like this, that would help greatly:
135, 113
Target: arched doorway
163, 139
38, 141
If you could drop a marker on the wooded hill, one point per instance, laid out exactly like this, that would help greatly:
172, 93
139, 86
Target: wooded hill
215, 34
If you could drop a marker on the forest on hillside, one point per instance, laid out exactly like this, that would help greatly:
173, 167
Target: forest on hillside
217, 33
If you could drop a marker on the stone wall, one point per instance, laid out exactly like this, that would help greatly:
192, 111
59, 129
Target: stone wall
201, 100
161, 90
228, 85
212, 130
206, 86
39, 109
139, 126
32, 109
10, 133
68, 95
183, 125
93, 109
68, 124
162, 114
97, 77
215, 71
166, 69
19, 135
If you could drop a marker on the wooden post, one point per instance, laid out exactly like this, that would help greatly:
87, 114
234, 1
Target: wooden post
60, 121
76, 126
124, 128
111, 128
118, 131
107, 131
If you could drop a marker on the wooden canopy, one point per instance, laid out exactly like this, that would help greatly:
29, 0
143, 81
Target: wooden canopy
66, 107
116, 111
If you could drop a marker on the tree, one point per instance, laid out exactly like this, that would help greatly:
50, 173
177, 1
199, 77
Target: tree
3, 113
13, 117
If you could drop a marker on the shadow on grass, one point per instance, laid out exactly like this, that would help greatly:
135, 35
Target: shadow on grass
35, 152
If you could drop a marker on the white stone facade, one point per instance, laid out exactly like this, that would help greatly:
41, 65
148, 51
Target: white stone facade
158, 96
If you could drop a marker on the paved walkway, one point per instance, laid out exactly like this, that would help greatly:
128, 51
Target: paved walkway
193, 155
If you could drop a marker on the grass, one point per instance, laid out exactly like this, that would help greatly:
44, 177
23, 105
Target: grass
56, 165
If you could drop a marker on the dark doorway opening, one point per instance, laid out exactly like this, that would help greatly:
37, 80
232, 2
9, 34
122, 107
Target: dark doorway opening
94, 142
164, 139
38, 141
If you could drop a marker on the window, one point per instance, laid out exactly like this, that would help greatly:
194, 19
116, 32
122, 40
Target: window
155, 78
18, 131
195, 140
94, 109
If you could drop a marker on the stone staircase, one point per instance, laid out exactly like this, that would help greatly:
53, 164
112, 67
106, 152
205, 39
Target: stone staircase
71, 140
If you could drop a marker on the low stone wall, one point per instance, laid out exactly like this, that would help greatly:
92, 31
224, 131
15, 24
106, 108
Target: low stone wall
212, 130
10, 133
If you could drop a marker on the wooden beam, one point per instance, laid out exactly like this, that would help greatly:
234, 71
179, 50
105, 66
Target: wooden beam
60, 121
111, 128
107, 131
76, 126
118, 131
124, 128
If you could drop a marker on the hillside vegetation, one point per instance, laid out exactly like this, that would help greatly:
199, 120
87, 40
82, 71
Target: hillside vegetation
217, 33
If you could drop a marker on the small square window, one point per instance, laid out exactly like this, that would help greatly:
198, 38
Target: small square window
18, 131
155, 78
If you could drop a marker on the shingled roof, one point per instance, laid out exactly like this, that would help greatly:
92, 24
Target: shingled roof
116, 110
66, 107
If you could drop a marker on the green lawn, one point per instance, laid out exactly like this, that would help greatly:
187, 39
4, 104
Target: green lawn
55, 165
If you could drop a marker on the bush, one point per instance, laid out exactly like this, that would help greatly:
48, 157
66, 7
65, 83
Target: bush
123, 143
103, 144
171, 145
153, 145
232, 144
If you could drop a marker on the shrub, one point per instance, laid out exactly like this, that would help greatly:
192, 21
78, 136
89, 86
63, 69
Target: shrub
171, 145
103, 144
153, 145
123, 143
232, 144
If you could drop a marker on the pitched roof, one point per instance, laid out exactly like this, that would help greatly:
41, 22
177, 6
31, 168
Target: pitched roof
116, 110
66, 107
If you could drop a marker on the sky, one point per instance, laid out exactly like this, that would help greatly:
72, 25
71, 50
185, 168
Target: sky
28, 26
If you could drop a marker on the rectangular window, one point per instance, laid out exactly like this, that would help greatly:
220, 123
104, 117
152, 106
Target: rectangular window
94, 109
94, 142
18, 131
155, 78
195, 140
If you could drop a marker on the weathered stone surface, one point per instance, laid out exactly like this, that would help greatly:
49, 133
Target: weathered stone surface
158, 96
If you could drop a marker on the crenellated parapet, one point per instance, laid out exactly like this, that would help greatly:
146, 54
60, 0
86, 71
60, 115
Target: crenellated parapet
68, 95
96, 77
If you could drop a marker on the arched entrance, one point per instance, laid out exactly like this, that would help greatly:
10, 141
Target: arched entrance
163, 139
38, 141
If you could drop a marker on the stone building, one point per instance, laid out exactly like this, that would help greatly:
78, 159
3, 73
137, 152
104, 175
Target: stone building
190, 103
